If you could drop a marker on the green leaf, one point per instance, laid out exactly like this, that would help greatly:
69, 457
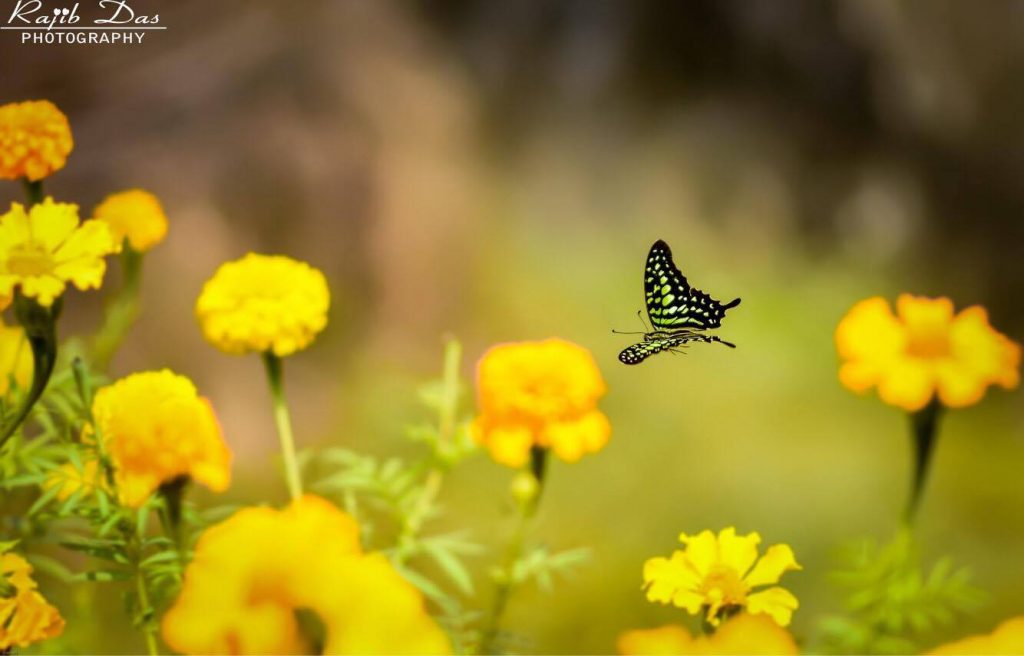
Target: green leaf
451, 566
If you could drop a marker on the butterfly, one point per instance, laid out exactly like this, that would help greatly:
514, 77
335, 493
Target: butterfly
678, 313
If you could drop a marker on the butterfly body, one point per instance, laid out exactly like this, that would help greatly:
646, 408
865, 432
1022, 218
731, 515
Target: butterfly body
678, 313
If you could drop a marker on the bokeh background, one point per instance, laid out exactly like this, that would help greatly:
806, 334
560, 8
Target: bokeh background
497, 171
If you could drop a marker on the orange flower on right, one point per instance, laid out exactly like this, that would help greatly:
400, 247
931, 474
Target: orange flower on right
924, 351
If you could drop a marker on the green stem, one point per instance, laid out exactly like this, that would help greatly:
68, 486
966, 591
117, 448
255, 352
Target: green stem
40, 324
924, 431
445, 435
173, 493
123, 310
33, 191
146, 609
513, 553
284, 424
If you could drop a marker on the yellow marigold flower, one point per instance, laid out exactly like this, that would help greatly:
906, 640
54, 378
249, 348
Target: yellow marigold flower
45, 248
70, 479
744, 634
922, 351
35, 140
15, 358
720, 574
252, 572
25, 615
135, 215
1007, 638
263, 303
156, 428
539, 394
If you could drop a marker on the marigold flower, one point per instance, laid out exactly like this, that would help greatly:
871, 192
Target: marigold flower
25, 615
263, 303
922, 351
45, 248
156, 428
743, 634
15, 358
35, 140
252, 572
1007, 638
539, 394
720, 574
135, 215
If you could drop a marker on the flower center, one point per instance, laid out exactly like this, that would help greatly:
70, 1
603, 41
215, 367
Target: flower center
29, 260
725, 586
927, 342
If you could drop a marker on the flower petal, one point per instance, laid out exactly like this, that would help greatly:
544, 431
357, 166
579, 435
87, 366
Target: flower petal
908, 384
701, 551
737, 552
778, 603
778, 560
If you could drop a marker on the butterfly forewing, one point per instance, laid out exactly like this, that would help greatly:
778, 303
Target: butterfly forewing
671, 302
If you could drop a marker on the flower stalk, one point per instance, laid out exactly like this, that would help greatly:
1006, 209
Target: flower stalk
924, 432
123, 310
40, 324
507, 577
282, 418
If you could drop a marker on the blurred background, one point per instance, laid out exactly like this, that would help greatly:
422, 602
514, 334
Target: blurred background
498, 170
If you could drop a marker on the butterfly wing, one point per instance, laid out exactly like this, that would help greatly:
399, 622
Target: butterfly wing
637, 353
671, 302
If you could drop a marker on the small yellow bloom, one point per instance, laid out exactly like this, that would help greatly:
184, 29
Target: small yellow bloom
252, 572
15, 358
922, 351
70, 479
1008, 638
720, 573
135, 215
539, 394
44, 249
35, 140
743, 634
156, 428
25, 615
263, 303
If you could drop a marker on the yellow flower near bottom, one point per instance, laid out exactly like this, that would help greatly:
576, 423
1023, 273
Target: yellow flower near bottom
25, 616
1008, 638
744, 634
252, 572
720, 573
924, 351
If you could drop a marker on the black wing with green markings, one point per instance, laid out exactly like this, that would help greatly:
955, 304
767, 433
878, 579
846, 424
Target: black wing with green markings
671, 302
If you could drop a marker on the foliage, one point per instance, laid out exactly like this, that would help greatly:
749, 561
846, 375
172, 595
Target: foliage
893, 599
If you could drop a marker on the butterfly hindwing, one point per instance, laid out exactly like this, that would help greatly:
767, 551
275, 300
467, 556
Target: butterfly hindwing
671, 302
637, 353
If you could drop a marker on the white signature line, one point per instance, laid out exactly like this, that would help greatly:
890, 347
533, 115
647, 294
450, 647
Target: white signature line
79, 29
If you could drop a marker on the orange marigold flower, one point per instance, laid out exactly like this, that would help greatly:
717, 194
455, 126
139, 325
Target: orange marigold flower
744, 634
252, 572
25, 615
539, 394
924, 351
156, 428
135, 215
35, 140
1008, 638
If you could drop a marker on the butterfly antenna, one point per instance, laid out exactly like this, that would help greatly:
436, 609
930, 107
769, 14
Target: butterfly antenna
623, 332
639, 314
